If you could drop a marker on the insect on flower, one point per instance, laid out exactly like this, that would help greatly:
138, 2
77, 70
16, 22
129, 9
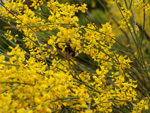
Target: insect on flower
71, 51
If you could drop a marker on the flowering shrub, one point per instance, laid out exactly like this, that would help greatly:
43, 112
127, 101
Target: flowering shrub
45, 77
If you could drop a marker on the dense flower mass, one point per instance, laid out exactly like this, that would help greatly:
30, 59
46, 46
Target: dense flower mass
44, 77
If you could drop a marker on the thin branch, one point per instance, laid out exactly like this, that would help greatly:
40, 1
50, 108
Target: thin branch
140, 27
89, 15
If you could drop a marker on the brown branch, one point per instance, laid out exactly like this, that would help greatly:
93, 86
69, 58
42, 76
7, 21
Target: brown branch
2, 2
89, 15
140, 27
126, 35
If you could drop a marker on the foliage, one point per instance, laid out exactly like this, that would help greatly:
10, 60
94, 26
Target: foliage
39, 72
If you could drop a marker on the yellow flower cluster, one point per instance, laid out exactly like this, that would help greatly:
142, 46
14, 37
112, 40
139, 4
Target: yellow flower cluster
124, 23
41, 81
140, 5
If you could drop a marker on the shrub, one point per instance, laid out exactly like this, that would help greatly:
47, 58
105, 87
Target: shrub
39, 70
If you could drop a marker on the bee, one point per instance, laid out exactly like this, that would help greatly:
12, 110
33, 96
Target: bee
71, 51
